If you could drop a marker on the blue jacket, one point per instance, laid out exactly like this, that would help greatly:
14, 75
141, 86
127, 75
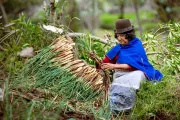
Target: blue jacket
134, 55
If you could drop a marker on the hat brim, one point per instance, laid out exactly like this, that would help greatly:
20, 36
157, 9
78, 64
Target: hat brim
124, 29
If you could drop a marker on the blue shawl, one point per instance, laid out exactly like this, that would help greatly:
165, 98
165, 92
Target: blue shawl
134, 55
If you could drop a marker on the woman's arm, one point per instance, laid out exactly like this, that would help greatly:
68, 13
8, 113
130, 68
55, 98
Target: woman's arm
115, 66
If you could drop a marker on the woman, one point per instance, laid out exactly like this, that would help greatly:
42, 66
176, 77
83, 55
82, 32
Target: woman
131, 66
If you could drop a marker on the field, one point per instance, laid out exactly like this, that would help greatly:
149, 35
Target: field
38, 88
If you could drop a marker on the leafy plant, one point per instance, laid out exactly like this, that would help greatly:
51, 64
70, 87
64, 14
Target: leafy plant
85, 45
25, 34
102, 113
166, 43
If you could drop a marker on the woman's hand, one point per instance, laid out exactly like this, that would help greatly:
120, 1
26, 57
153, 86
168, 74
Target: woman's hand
109, 66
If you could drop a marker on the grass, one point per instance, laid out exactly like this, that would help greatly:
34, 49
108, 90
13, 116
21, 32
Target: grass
153, 102
154, 98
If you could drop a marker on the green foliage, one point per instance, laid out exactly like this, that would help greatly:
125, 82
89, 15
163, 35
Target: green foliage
157, 98
165, 42
103, 113
85, 45
27, 35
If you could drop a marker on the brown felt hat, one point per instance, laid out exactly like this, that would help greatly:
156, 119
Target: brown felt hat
123, 25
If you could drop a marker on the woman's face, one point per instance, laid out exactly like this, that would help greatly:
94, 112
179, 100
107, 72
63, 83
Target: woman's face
121, 38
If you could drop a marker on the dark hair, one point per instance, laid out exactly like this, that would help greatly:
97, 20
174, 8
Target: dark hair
128, 35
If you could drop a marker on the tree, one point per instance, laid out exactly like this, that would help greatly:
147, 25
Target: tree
121, 7
89, 14
167, 9
14, 7
73, 12
137, 16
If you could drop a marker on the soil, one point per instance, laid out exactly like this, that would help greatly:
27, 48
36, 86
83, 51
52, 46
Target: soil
161, 115
75, 116
2, 75
34, 94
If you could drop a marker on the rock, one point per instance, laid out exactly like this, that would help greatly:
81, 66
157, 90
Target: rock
27, 52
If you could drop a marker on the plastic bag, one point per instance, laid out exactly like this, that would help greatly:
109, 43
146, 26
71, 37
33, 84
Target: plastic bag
121, 98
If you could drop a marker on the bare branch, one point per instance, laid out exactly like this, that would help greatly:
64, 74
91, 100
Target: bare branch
1, 48
21, 95
152, 53
177, 45
7, 35
105, 41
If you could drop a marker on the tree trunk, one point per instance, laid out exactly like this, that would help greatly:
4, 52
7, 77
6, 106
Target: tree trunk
4, 13
137, 16
167, 10
89, 14
121, 9
53, 11
94, 17
73, 12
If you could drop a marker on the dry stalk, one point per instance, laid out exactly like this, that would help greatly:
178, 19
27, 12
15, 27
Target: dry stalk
21, 95
106, 76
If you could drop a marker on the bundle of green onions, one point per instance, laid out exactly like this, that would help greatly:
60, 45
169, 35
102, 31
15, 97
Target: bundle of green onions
57, 68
